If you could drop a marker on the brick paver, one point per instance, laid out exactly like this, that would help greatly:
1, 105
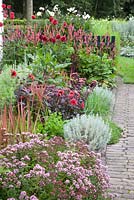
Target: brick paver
120, 157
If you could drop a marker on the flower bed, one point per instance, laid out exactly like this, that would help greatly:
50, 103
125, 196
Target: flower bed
51, 169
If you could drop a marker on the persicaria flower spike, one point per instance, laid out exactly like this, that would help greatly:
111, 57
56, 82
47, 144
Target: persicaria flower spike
54, 22
63, 38
58, 36
51, 18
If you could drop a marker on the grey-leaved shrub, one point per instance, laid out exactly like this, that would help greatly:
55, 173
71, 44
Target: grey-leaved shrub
89, 128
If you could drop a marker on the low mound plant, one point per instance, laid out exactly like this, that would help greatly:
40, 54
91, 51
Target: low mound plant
89, 128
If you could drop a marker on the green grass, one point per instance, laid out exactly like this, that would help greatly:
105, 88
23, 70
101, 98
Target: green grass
126, 69
116, 132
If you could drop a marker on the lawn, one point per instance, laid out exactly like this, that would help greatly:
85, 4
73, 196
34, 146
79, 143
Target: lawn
126, 69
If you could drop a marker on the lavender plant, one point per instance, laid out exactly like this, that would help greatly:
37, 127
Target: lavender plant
52, 169
100, 101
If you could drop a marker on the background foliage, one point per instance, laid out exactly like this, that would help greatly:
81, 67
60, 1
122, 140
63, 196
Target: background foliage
96, 8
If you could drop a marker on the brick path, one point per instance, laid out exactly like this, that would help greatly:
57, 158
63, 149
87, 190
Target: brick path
120, 157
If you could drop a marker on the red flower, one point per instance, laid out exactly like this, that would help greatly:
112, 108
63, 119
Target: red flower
12, 16
82, 105
52, 40
4, 6
33, 17
54, 22
43, 38
1, 24
63, 38
60, 92
51, 18
65, 24
73, 102
31, 76
9, 6
58, 36
71, 94
13, 73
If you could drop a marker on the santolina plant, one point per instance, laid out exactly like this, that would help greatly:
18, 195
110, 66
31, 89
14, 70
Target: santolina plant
52, 169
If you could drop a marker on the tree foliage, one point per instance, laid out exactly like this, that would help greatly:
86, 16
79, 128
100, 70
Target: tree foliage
95, 8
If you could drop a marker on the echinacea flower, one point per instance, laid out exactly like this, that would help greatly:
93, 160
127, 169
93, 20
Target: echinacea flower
54, 22
13, 73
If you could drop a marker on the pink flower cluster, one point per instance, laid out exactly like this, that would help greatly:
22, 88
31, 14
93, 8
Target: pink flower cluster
41, 169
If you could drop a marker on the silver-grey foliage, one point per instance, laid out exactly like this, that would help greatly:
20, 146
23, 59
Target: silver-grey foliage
89, 128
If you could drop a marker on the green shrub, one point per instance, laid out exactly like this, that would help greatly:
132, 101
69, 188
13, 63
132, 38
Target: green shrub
89, 128
53, 125
15, 22
99, 101
93, 66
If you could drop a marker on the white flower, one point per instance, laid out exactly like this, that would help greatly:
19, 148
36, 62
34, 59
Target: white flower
41, 8
78, 15
71, 10
85, 16
50, 13
55, 8
39, 14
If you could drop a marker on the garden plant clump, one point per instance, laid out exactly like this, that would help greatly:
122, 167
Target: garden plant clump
51, 169
89, 128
